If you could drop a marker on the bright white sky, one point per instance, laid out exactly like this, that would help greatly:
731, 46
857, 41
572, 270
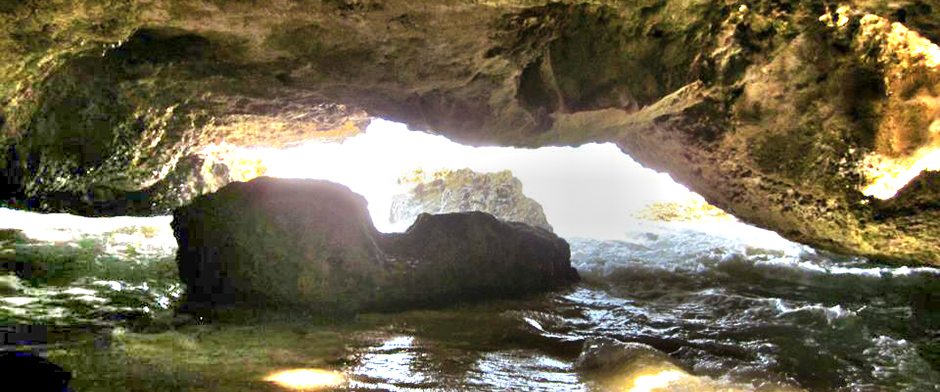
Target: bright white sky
589, 191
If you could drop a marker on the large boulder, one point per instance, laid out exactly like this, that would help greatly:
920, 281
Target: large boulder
475, 255
272, 241
279, 243
499, 194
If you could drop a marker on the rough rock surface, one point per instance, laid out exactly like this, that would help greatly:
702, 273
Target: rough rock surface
691, 210
308, 243
609, 354
499, 194
791, 115
477, 255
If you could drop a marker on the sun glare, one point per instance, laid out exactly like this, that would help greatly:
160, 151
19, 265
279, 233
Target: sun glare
304, 379
888, 176
588, 191
649, 382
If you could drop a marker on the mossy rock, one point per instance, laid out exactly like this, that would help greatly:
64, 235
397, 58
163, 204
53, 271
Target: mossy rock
310, 246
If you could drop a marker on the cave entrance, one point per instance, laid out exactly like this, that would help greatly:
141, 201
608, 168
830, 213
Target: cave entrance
594, 190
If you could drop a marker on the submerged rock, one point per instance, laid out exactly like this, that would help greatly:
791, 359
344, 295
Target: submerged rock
604, 354
307, 243
499, 194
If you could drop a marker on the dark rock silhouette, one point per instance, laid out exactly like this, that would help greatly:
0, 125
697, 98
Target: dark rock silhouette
278, 243
33, 373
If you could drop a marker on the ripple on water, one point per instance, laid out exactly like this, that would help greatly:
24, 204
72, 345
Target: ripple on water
405, 363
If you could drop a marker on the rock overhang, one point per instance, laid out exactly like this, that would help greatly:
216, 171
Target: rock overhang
772, 110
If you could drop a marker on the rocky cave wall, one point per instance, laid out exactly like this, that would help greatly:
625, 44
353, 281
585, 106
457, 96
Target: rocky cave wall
789, 114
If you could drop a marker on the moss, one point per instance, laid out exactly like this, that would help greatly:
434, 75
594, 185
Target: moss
918, 81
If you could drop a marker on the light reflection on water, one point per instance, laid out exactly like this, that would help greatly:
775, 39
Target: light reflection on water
390, 366
404, 364
306, 379
523, 370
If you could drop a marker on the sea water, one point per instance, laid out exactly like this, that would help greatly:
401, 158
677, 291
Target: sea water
727, 306
665, 307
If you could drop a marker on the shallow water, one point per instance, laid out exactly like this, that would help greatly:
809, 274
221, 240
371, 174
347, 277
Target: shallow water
754, 309
724, 307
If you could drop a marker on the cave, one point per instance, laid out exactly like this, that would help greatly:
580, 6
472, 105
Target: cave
808, 131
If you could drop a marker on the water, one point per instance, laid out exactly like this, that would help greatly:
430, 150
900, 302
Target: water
728, 307
669, 307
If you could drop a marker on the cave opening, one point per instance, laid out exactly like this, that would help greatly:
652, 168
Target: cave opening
591, 191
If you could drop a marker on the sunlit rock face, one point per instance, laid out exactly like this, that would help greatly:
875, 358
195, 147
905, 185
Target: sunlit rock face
796, 116
309, 243
688, 211
499, 194
203, 172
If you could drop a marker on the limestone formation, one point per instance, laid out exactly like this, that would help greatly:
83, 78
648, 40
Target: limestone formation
499, 194
311, 244
805, 117
691, 210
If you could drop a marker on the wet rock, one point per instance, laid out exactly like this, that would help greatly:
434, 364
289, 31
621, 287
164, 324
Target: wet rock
278, 243
499, 194
609, 354
32, 372
474, 255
